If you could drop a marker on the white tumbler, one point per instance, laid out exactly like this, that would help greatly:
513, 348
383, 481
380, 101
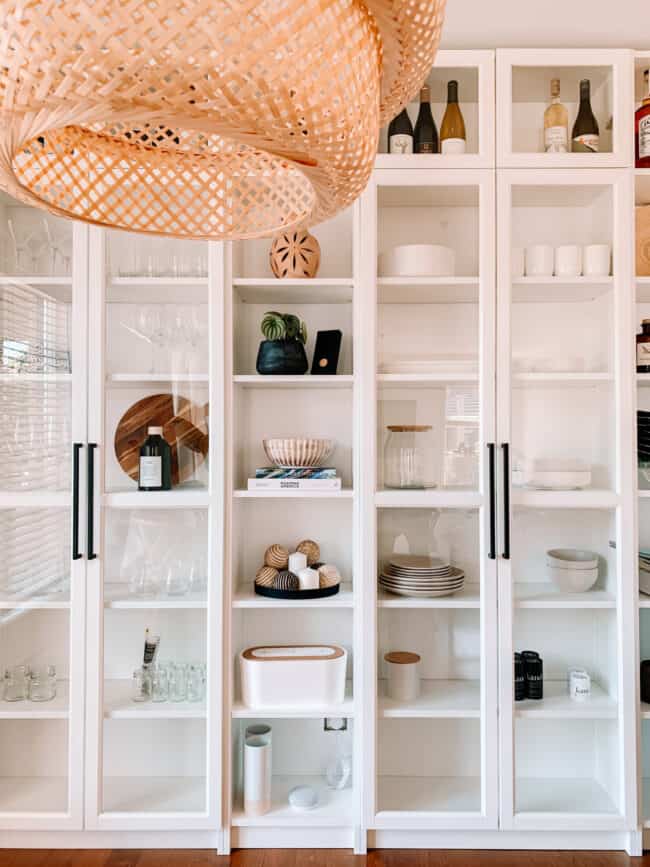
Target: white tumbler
596, 260
257, 771
539, 260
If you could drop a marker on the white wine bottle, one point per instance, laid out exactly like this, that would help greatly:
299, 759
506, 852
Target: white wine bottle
585, 134
453, 139
556, 123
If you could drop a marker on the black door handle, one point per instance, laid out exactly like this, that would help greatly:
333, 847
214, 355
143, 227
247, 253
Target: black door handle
492, 553
76, 448
91, 501
505, 447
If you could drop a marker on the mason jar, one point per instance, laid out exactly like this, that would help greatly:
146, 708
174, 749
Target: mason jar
410, 457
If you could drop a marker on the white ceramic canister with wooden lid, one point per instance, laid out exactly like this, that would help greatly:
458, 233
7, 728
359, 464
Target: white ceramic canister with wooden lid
403, 675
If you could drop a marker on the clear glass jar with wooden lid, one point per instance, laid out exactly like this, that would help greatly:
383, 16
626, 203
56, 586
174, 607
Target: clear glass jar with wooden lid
411, 459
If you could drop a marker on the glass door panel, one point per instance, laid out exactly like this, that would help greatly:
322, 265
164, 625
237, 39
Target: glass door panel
151, 716
42, 410
434, 420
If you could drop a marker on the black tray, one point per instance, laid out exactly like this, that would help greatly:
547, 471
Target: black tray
274, 593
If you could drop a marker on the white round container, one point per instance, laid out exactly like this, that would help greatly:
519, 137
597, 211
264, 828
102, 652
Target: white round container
568, 261
403, 675
418, 260
596, 260
539, 260
257, 774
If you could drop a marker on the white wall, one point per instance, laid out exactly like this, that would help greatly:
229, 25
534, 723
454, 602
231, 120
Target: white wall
547, 24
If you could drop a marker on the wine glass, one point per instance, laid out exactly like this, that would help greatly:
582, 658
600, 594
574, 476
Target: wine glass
148, 323
19, 246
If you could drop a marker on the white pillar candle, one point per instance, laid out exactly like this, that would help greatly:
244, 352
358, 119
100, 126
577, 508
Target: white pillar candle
297, 561
309, 579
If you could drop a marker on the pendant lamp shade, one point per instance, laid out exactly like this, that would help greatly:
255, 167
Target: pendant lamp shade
196, 119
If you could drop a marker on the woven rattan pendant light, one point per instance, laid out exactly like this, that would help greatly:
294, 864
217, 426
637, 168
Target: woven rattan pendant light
203, 118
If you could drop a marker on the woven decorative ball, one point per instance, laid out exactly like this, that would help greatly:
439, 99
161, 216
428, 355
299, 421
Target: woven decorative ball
286, 580
266, 575
295, 254
310, 549
329, 575
276, 556
196, 119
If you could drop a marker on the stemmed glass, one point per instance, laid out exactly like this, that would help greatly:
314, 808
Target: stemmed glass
148, 324
19, 245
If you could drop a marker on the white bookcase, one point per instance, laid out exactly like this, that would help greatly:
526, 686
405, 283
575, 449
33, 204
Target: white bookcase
463, 766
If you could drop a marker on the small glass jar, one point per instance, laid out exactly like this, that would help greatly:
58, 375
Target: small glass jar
410, 457
159, 684
42, 683
195, 682
178, 682
16, 684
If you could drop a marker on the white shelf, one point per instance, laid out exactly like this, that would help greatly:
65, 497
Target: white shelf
439, 162
335, 807
176, 499
545, 595
245, 597
438, 498
19, 378
34, 795
316, 290
343, 494
427, 290
587, 499
58, 708
41, 280
560, 289
118, 704
154, 794
422, 380
168, 280
468, 597
62, 604
345, 709
438, 699
410, 797
563, 795
118, 596
562, 380
307, 381
145, 380
556, 704
35, 499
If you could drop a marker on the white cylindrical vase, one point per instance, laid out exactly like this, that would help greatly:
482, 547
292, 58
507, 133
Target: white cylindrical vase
257, 773
403, 675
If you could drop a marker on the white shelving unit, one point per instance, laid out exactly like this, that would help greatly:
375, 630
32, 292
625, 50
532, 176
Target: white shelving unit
463, 765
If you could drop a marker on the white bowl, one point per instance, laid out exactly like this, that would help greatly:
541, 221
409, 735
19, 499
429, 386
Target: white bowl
293, 452
571, 558
418, 260
573, 580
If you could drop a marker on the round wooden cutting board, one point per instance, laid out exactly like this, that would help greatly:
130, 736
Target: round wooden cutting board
184, 424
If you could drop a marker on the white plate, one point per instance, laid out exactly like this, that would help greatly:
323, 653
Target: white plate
441, 573
417, 594
416, 561
421, 586
424, 581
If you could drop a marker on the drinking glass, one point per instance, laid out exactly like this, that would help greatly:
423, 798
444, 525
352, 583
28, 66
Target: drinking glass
42, 683
16, 684
177, 579
160, 683
178, 682
148, 322
141, 690
195, 682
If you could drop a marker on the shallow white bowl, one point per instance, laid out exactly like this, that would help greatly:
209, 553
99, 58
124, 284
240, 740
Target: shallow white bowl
573, 580
298, 451
418, 260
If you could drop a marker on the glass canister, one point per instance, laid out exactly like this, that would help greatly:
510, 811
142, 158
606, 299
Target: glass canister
410, 457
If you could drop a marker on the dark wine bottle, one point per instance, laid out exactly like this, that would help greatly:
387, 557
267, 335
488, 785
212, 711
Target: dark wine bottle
400, 134
425, 134
585, 133
155, 470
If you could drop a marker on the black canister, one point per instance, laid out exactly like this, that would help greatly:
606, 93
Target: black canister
645, 680
520, 678
534, 673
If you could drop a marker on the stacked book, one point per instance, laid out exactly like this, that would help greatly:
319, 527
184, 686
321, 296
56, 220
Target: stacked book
295, 479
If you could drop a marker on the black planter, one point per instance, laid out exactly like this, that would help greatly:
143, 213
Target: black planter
281, 357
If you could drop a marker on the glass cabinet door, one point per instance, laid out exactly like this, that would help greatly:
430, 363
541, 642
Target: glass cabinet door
149, 625
42, 412
561, 373
435, 580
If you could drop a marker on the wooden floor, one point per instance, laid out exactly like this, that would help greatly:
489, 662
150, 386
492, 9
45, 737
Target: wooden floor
310, 858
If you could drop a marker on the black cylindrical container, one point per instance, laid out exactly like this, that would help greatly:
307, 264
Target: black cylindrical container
520, 678
645, 680
534, 671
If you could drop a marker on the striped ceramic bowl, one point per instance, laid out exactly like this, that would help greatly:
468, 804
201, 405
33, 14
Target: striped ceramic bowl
297, 451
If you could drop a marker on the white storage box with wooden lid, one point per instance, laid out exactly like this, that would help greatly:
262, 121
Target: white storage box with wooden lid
293, 676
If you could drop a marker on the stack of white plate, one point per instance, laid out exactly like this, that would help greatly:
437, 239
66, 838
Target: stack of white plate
416, 575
